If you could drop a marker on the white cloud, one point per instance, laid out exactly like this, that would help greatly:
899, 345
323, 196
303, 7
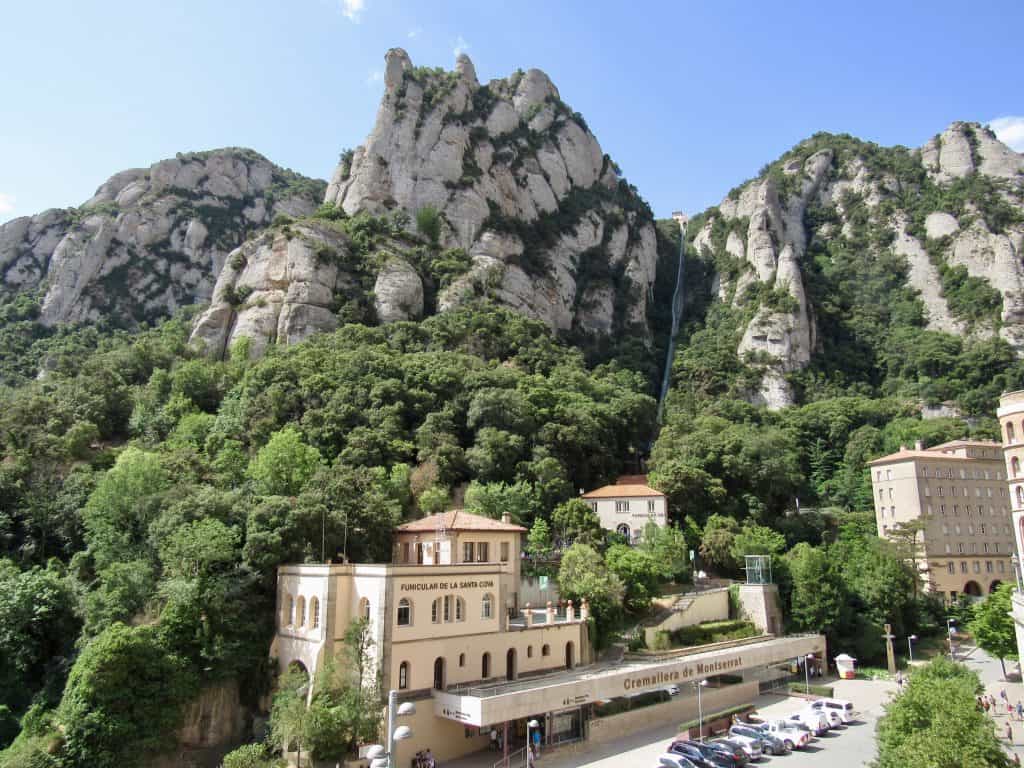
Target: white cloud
374, 77
414, 33
461, 46
1010, 131
352, 9
6, 203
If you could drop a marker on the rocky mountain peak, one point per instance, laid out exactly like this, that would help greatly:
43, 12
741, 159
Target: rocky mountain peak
150, 239
519, 182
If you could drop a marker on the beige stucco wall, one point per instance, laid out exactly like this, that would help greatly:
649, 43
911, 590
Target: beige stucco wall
681, 709
942, 502
711, 605
528, 645
637, 517
445, 738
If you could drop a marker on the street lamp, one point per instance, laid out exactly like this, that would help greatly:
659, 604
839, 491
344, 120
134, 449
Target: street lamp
529, 744
807, 672
700, 708
381, 757
910, 649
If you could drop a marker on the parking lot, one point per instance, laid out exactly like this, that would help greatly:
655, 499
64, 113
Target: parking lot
852, 746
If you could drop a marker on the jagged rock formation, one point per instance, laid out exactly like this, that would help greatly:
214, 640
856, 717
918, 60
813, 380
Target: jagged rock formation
520, 183
276, 288
150, 239
952, 212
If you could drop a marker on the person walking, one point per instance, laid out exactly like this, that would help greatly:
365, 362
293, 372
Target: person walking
1020, 710
494, 739
984, 703
1009, 733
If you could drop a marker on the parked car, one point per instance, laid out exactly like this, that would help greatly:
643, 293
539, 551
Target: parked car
793, 735
672, 690
753, 748
732, 748
719, 755
673, 760
835, 720
691, 751
842, 707
813, 719
770, 743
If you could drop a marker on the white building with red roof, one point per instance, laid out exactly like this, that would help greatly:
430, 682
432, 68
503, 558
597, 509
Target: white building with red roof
628, 505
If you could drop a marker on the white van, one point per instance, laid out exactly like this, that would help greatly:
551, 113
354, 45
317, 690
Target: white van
813, 719
842, 707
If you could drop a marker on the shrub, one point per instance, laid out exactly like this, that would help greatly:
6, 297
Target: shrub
714, 632
428, 223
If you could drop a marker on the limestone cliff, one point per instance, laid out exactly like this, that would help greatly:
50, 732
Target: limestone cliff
950, 216
150, 239
520, 183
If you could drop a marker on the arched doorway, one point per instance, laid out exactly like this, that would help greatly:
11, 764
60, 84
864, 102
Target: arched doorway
994, 586
485, 666
972, 588
439, 674
510, 664
569, 660
623, 530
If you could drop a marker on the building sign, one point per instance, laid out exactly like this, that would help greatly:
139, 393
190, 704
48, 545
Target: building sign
455, 714
435, 586
700, 669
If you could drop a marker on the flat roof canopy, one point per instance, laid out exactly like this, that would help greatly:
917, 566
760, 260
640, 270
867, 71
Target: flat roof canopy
485, 705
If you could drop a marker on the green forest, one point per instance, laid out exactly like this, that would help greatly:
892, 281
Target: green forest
148, 492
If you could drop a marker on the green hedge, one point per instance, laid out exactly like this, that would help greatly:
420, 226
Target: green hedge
817, 690
708, 717
713, 632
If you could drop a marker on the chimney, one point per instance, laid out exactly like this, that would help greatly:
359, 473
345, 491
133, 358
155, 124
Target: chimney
506, 517
918, 445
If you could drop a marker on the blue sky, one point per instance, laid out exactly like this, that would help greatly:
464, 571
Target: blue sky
689, 98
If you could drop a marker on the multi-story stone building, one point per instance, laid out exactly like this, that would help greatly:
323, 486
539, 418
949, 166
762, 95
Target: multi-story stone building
628, 506
1011, 425
450, 633
958, 492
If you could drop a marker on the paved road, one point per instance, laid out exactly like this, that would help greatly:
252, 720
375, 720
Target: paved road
991, 673
850, 747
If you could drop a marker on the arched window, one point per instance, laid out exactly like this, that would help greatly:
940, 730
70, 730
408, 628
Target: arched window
364, 608
1020, 495
289, 611
462, 659
460, 609
1009, 432
487, 607
1015, 466
569, 656
485, 666
314, 612
404, 613
545, 650
300, 612
403, 675
529, 651
623, 530
435, 611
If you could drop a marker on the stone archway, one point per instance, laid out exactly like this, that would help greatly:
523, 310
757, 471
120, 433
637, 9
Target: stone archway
972, 589
510, 664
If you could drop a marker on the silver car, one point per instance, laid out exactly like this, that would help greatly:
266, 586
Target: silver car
771, 743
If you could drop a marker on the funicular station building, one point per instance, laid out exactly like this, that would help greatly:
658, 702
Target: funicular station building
451, 634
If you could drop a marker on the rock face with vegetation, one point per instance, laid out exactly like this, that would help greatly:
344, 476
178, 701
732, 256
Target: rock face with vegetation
947, 219
519, 183
151, 239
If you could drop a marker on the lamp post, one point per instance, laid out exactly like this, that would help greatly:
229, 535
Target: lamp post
529, 744
910, 649
381, 757
807, 672
700, 709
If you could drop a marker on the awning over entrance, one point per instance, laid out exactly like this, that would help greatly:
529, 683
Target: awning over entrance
485, 705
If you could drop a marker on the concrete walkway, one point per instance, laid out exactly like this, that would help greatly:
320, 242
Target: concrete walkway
991, 673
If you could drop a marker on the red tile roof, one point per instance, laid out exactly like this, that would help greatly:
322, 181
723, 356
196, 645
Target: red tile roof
457, 520
627, 486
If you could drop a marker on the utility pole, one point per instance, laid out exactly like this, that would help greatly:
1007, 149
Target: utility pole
890, 655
